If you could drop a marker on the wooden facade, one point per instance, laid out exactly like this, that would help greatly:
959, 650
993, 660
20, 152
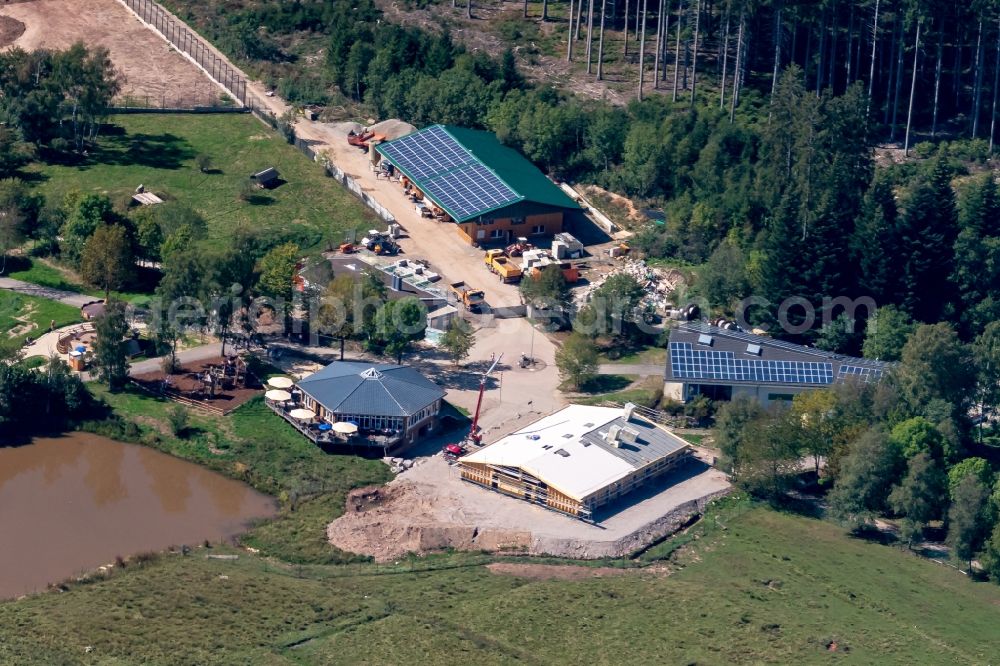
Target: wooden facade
517, 483
509, 225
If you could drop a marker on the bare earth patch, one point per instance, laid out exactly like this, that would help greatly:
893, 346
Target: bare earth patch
10, 30
149, 66
555, 571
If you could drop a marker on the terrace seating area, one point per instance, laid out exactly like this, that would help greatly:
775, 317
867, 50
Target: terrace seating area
320, 431
358, 405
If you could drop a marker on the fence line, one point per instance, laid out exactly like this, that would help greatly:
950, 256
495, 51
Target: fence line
192, 45
338, 174
199, 51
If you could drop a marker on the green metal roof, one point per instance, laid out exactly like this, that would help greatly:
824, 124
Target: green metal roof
469, 173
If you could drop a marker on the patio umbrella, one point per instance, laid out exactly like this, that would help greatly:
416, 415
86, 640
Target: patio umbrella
302, 414
280, 382
278, 395
345, 428
323, 427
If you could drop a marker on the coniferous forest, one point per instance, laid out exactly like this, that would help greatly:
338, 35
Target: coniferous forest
771, 134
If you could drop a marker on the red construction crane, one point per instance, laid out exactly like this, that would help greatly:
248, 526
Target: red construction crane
474, 435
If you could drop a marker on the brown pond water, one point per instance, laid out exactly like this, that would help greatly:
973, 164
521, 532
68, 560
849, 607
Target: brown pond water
72, 503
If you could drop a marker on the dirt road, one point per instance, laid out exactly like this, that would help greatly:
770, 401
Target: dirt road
149, 66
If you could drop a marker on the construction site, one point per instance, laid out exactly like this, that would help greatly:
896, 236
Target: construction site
429, 508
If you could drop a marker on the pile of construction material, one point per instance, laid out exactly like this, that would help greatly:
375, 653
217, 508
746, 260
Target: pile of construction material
659, 283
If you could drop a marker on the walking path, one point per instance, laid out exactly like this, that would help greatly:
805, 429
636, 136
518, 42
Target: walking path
28, 289
200, 353
642, 370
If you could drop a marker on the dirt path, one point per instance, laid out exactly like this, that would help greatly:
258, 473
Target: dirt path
149, 66
556, 571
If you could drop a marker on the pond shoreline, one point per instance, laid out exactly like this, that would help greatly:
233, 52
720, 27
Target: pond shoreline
79, 501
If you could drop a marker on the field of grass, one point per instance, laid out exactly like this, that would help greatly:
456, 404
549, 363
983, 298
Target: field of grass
254, 445
647, 356
768, 588
159, 152
44, 273
623, 388
17, 309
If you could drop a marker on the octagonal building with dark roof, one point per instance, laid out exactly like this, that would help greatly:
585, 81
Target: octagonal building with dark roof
378, 398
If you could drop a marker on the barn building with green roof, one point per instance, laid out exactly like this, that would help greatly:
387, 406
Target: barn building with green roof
491, 192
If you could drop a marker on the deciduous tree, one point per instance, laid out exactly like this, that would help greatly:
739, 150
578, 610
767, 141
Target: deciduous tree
110, 358
577, 360
886, 333
107, 261
867, 473
920, 496
967, 519
458, 340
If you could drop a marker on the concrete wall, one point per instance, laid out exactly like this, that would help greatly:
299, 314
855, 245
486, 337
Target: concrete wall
673, 391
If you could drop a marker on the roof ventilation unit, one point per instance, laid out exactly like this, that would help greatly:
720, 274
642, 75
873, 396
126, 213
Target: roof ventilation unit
629, 435
628, 411
705, 339
613, 434
753, 349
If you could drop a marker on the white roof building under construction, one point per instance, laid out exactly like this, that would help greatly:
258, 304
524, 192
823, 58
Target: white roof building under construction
577, 459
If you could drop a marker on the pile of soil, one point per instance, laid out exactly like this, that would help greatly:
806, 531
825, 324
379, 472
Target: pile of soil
393, 128
10, 30
389, 522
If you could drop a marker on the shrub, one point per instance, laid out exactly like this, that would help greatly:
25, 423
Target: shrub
179, 421
203, 161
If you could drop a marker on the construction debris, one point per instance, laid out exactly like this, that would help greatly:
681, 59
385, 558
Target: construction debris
659, 283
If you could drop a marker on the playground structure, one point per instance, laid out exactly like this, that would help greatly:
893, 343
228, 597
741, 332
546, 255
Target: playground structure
77, 344
218, 385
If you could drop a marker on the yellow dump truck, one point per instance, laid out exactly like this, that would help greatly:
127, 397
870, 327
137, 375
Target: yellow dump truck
472, 299
498, 262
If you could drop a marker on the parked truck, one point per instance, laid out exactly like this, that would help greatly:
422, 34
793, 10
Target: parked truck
498, 262
570, 272
472, 299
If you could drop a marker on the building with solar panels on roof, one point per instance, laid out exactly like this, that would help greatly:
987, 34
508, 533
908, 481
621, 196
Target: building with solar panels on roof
721, 363
491, 192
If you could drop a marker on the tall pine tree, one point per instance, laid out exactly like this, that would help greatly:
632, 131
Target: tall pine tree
977, 256
926, 235
874, 243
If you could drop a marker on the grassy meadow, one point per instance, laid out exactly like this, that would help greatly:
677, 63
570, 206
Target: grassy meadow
16, 310
765, 587
160, 150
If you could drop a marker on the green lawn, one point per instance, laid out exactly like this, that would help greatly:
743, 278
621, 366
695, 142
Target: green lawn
623, 388
159, 152
17, 309
253, 444
769, 588
647, 356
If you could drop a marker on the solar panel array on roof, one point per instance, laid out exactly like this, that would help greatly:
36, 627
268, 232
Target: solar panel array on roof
864, 372
427, 153
686, 362
750, 338
469, 190
448, 173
